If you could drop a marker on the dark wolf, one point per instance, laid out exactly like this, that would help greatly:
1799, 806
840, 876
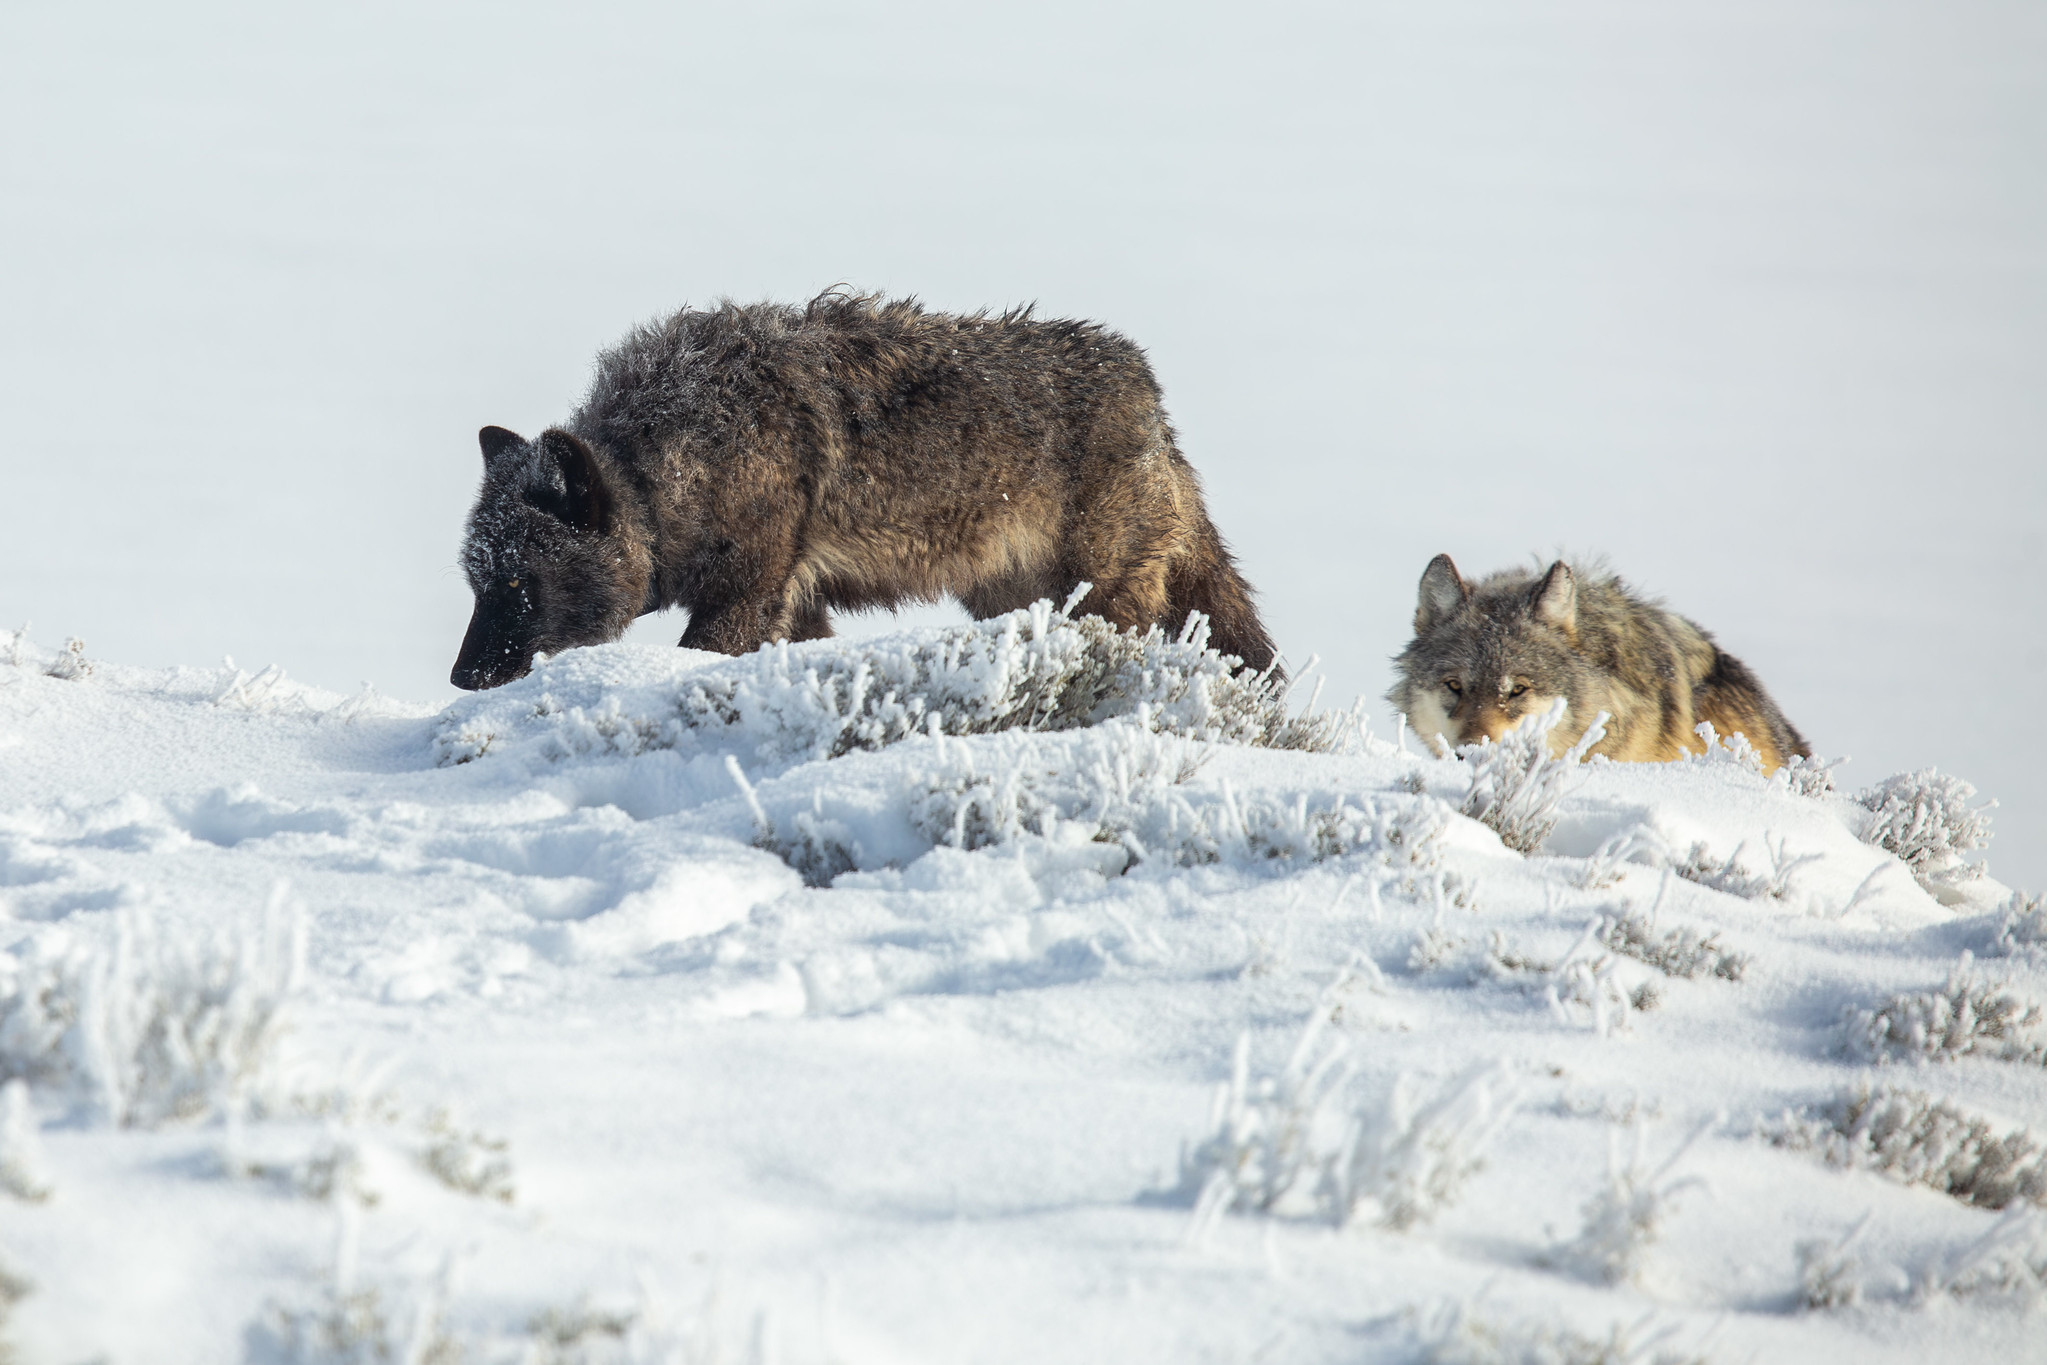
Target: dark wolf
763, 464
1486, 654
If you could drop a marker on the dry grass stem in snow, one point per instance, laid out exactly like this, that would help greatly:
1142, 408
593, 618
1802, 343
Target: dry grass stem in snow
1964, 1016
1915, 1139
1516, 785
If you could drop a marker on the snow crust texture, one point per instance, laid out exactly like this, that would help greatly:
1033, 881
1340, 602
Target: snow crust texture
1017, 991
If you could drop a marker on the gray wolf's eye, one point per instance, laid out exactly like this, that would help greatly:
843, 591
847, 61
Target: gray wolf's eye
513, 583
1519, 688
1454, 686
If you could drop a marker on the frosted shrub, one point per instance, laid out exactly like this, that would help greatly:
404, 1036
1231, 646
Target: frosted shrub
1963, 1017
14, 1287
1125, 785
1925, 819
1458, 1336
1038, 668
358, 1327
1262, 1145
1681, 952
1804, 776
154, 1028
1516, 785
1829, 1274
1732, 876
2009, 1261
22, 1172
467, 1161
1626, 1216
2022, 929
1589, 979
71, 665
1915, 1139
1407, 1159
1294, 1144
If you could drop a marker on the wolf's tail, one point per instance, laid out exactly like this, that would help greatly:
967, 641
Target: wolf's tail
1205, 579
1733, 699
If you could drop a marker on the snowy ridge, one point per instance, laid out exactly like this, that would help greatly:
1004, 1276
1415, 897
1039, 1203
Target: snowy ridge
834, 1004
1032, 669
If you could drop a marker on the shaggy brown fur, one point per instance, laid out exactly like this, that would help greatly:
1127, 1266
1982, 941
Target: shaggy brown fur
762, 464
1487, 654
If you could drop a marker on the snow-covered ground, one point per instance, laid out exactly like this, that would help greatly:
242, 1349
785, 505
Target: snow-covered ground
1750, 295
831, 1005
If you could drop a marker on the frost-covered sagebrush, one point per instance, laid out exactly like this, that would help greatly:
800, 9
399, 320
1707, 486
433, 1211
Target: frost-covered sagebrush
1680, 951
1626, 1216
1038, 668
1925, 819
23, 1174
1516, 785
2009, 1261
1829, 1272
1963, 1016
1732, 876
1459, 1334
1305, 1142
1916, 1139
152, 1026
1124, 785
2022, 926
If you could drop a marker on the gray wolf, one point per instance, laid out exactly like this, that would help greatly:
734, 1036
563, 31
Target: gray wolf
1486, 654
763, 464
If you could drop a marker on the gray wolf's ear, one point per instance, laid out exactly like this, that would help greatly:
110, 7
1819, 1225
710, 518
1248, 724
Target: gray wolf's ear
1443, 592
1556, 599
586, 503
495, 442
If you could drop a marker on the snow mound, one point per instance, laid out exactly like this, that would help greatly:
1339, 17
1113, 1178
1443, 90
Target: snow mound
908, 967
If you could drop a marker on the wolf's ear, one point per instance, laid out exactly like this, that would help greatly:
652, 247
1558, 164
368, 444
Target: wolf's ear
1443, 592
1556, 599
496, 441
586, 504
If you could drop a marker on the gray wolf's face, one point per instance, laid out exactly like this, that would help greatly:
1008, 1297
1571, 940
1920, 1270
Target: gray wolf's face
1483, 661
536, 558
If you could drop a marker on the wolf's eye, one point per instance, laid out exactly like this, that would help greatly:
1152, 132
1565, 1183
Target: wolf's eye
1455, 686
512, 583
1519, 688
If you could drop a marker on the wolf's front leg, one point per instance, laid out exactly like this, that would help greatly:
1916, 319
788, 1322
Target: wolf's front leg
732, 628
744, 626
